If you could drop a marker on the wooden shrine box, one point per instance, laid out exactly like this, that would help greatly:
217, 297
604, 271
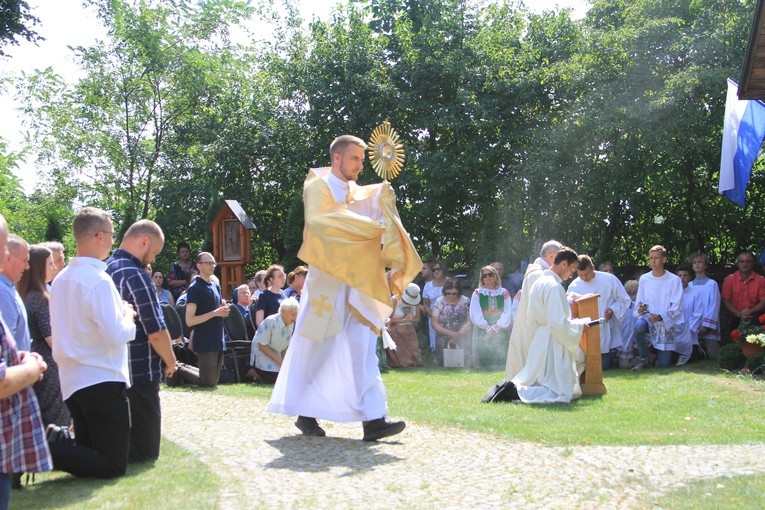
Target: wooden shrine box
231, 244
592, 378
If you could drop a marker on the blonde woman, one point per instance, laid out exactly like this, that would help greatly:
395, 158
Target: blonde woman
491, 315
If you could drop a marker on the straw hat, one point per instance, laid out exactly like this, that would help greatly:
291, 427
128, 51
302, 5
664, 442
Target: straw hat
411, 294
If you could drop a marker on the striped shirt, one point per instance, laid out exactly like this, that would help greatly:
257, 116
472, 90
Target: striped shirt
23, 448
135, 287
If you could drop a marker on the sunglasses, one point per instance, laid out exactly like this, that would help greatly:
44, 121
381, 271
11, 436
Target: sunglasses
451, 293
485, 275
438, 269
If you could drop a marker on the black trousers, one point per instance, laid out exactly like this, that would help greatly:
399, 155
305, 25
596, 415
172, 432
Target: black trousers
146, 430
101, 416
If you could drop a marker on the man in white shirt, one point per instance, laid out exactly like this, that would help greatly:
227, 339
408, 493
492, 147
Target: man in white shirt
91, 328
612, 304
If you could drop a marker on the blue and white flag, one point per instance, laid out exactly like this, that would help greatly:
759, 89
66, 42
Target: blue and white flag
743, 132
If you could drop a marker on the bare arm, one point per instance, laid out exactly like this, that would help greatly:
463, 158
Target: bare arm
271, 353
192, 319
20, 376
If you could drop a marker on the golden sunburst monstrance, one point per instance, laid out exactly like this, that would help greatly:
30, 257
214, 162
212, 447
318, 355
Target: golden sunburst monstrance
386, 152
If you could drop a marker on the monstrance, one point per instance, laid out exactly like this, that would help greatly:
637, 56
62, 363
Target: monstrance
386, 152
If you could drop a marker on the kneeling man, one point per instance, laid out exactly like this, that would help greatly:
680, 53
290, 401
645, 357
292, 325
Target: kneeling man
555, 360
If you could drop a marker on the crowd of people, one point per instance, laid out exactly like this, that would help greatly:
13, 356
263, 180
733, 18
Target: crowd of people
84, 346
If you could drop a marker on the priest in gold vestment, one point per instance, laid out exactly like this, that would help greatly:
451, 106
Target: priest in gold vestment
352, 233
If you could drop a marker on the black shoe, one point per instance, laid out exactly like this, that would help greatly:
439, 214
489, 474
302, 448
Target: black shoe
309, 427
56, 434
381, 427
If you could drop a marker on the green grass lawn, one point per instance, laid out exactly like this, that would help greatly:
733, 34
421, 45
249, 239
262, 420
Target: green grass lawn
693, 405
176, 480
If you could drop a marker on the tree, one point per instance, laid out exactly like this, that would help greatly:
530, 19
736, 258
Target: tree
16, 21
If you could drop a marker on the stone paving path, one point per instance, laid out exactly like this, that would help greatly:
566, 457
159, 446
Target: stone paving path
263, 460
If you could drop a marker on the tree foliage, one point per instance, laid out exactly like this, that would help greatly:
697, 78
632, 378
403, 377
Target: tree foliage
16, 21
602, 132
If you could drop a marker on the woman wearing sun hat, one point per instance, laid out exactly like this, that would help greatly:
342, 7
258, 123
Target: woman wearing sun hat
401, 328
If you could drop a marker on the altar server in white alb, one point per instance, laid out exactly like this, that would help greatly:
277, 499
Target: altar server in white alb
612, 305
352, 233
659, 311
692, 311
555, 360
709, 292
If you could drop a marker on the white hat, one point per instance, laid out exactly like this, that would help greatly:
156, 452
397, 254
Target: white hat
411, 294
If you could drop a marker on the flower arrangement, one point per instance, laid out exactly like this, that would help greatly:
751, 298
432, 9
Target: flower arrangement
751, 332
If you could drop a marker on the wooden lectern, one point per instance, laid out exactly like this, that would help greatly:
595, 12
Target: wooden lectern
591, 380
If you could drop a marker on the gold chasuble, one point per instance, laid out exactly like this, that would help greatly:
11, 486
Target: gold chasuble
353, 249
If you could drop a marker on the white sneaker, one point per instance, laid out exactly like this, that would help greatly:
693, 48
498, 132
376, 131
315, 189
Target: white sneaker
682, 360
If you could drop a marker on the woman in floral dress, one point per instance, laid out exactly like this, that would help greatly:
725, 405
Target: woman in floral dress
450, 318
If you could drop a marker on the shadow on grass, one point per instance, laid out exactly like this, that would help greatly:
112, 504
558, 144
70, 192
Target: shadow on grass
68, 490
313, 455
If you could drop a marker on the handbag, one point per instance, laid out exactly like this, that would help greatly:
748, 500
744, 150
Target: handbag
453, 358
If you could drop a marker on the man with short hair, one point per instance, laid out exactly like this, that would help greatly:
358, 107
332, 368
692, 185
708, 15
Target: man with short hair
205, 310
504, 281
743, 292
612, 304
59, 257
555, 360
23, 448
152, 345
520, 336
351, 234
92, 327
659, 311
11, 305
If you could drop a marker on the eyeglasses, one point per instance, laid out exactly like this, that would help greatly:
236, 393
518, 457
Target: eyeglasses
110, 232
438, 269
485, 275
208, 262
451, 293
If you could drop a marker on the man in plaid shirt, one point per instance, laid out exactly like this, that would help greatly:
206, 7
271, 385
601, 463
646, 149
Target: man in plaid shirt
151, 352
23, 448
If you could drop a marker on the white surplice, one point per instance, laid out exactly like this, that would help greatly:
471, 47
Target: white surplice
664, 296
692, 311
613, 296
709, 293
555, 360
520, 336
